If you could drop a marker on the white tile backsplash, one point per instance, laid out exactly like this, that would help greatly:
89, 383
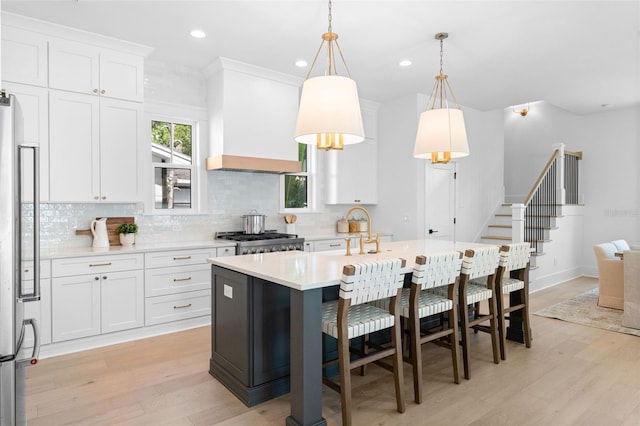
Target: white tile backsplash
231, 194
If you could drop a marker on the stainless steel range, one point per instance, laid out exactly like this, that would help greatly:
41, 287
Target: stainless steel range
265, 242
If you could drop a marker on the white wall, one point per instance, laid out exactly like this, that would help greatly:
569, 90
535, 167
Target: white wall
481, 174
402, 177
610, 176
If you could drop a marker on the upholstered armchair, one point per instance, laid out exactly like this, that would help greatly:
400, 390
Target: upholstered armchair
610, 276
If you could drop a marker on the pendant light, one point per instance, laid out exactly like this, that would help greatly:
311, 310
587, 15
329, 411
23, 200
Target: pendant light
329, 114
441, 132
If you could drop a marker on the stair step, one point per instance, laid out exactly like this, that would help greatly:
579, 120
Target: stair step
500, 226
503, 214
534, 253
506, 204
495, 237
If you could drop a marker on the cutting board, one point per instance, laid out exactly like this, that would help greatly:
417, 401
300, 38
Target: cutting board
112, 224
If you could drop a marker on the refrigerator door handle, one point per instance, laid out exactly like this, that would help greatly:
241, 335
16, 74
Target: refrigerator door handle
35, 295
33, 359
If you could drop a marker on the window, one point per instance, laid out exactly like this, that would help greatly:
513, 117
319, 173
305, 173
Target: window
171, 157
297, 188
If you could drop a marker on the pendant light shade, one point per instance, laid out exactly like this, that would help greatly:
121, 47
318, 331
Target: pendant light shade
441, 133
329, 114
329, 110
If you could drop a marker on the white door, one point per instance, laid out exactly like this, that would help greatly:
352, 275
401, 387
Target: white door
440, 194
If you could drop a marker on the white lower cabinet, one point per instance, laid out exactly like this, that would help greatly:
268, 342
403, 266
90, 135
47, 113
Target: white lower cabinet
178, 284
178, 306
122, 301
109, 299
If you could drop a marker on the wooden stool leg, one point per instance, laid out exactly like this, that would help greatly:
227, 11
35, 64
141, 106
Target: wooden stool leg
396, 341
345, 379
525, 318
493, 322
502, 332
453, 338
416, 359
464, 330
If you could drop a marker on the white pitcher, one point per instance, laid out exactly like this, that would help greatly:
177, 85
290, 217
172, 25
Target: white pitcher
99, 231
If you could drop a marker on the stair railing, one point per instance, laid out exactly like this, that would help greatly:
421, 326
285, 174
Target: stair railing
556, 186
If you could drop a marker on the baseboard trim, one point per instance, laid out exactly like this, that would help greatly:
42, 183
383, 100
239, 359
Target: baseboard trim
93, 342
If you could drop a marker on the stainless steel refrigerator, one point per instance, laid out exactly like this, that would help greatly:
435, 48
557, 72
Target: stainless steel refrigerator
19, 244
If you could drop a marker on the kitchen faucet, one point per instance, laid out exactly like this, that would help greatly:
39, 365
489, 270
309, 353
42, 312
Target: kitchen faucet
346, 216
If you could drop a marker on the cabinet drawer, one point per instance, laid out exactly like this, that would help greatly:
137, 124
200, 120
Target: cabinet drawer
226, 251
177, 279
330, 245
96, 264
27, 269
178, 257
177, 307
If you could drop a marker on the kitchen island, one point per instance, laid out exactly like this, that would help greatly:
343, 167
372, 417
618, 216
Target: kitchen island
255, 366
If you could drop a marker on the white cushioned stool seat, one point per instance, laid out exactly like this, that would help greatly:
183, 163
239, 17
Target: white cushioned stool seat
508, 284
428, 303
362, 319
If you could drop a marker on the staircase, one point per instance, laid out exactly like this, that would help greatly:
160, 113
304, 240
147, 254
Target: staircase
537, 217
500, 231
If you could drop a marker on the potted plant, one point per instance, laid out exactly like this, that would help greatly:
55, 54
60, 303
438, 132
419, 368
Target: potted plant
127, 233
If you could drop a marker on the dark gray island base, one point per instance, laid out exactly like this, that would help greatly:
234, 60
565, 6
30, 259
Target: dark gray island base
253, 322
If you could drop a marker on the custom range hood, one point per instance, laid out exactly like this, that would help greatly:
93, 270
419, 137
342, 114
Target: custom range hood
252, 118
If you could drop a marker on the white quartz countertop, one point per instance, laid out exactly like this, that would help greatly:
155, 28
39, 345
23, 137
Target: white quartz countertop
136, 248
304, 270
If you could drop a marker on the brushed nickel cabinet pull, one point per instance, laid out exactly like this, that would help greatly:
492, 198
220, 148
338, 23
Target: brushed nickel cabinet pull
95, 90
103, 91
182, 306
91, 265
181, 279
181, 257
334, 245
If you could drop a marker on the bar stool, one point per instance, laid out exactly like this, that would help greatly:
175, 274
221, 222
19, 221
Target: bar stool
429, 272
479, 262
512, 276
350, 316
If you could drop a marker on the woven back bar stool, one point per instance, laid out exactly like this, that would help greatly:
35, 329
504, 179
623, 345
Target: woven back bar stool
479, 262
513, 276
351, 316
430, 272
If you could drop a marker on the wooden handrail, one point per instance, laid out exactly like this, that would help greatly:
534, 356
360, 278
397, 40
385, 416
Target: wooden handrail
542, 175
577, 154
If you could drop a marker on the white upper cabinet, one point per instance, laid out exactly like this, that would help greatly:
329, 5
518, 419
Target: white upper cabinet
94, 148
84, 68
352, 174
24, 56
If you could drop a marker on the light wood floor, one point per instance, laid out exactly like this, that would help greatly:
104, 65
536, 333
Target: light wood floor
573, 375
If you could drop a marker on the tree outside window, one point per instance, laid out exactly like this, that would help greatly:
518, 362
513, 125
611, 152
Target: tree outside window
171, 151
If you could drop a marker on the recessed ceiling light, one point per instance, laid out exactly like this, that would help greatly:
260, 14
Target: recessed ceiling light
301, 63
197, 34
405, 63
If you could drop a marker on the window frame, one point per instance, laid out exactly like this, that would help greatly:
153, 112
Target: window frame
175, 114
312, 192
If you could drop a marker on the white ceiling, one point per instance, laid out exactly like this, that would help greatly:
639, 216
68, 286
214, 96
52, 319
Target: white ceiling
577, 55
